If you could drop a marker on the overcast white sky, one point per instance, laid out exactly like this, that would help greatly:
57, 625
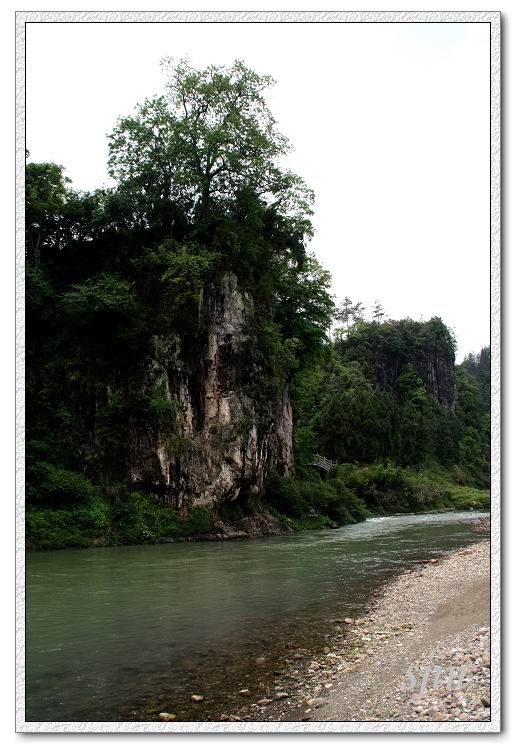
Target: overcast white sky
389, 125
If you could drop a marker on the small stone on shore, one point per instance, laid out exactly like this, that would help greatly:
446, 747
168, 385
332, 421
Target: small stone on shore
167, 716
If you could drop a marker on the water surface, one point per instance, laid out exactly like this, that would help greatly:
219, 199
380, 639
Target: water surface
121, 633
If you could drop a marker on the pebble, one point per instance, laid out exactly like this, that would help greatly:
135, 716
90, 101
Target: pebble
167, 716
399, 615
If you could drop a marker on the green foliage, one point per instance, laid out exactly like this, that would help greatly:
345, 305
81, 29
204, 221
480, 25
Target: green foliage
386, 488
273, 361
347, 508
305, 448
473, 386
302, 503
162, 407
390, 391
110, 426
382, 487
180, 269
102, 297
49, 528
140, 518
39, 294
207, 139
375, 345
49, 486
304, 306
63, 508
46, 193
355, 421
479, 368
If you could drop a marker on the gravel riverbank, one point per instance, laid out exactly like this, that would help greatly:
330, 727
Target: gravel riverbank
420, 653
427, 647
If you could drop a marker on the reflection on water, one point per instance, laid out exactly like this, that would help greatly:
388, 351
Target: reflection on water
120, 633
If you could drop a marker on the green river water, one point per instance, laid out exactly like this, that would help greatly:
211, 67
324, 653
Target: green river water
120, 633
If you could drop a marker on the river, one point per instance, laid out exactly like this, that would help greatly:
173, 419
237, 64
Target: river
121, 633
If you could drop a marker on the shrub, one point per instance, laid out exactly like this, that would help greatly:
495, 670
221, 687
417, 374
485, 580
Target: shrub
63, 508
139, 517
62, 528
386, 488
306, 501
350, 507
50, 486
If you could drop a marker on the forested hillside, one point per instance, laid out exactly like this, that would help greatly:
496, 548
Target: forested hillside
177, 328
408, 429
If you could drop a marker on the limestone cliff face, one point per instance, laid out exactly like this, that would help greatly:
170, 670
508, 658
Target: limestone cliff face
435, 368
219, 443
438, 374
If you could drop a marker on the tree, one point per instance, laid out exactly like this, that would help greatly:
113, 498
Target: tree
479, 367
356, 420
303, 306
378, 313
45, 196
209, 138
344, 313
349, 314
357, 312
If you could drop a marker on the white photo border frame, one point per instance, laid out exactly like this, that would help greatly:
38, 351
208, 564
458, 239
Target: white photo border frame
331, 727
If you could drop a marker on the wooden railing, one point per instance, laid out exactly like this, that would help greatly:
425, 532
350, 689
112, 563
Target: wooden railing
323, 463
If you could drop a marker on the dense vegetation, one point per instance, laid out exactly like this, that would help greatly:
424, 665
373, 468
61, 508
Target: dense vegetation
400, 443
199, 193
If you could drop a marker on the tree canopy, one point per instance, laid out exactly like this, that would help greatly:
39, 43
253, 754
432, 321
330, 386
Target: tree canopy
209, 139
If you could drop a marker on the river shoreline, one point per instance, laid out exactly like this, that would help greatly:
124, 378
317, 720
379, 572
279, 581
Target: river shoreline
252, 527
373, 667
151, 627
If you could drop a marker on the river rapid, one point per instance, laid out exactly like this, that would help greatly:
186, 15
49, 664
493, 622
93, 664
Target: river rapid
122, 633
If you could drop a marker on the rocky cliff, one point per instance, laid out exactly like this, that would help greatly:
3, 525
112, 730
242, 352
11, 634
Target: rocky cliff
435, 366
388, 352
213, 443
437, 371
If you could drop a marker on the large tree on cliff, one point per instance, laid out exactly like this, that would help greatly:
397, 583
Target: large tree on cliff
209, 139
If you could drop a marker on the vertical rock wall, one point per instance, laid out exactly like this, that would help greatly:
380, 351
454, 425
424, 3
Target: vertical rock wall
221, 443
